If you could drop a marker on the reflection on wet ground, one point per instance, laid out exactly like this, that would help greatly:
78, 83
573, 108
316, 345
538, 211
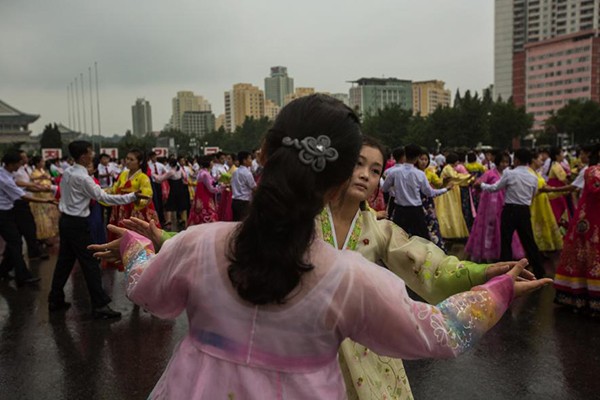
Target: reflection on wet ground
537, 351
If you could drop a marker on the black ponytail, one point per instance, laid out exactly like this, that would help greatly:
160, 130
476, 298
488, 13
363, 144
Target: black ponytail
268, 254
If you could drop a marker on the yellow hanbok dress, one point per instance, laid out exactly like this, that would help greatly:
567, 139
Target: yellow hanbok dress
45, 215
426, 270
449, 207
545, 229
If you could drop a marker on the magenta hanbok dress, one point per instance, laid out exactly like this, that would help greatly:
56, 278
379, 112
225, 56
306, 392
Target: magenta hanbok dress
484, 241
204, 207
238, 350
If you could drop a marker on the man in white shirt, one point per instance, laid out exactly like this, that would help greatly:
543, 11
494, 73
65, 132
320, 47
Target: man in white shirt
242, 186
406, 182
521, 185
25, 220
77, 189
157, 169
219, 166
10, 192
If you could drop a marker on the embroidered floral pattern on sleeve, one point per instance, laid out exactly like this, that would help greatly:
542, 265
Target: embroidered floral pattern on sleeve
135, 251
459, 321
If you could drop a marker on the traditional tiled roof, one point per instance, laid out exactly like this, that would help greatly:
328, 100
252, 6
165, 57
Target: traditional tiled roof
9, 114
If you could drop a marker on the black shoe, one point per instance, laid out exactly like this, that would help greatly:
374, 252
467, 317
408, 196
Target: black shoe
57, 306
29, 281
105, 313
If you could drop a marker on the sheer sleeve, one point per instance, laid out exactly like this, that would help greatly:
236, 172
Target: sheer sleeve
157, 282
424, 267
380, 315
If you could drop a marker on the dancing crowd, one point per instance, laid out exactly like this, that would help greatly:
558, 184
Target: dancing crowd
251, 247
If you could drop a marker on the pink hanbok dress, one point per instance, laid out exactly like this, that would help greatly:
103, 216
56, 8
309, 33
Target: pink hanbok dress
484, 241
238, 350
204, 207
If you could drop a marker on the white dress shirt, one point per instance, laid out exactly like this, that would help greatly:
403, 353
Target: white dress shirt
9, 191
408, 183
157, 169
242, 184
521, 185
106, 170
218, 169
77, 188
579, 181
23, 174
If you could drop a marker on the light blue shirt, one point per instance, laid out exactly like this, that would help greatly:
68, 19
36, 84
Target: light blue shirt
521, 185
406, 183
242, 184
9, 191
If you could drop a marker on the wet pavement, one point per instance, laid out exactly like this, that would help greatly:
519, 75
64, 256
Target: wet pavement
537, 351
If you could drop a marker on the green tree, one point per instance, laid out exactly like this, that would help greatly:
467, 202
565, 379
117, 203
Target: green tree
51, 137
390, 125
507, 122
129, 141
579, 119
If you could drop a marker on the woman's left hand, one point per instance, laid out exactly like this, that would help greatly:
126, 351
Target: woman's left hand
501, 268
109, 252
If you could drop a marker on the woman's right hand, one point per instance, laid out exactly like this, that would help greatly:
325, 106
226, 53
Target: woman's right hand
523, 286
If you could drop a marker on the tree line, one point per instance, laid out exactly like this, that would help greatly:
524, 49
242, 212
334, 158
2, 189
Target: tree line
472, 120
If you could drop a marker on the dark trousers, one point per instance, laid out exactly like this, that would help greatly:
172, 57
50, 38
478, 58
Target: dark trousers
239, 208
391, 204
517, 217
412, 220
158, 203
13, 252
74, 239
26, 227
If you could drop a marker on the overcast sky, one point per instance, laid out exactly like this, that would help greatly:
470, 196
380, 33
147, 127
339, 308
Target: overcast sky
155, 48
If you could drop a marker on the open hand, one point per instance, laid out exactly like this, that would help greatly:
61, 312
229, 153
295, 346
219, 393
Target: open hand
146, 229
524, 287
500, 268
109, 251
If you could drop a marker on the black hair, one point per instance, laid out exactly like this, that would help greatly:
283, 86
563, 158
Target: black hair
242, 155
12, 157
428, 160
141, 157
524, 156
413, 151
499, 155
78, 148
451, 158
103, 155
35, 160
205, 161
268, 251
471, 157
398, 153
376, 144
174, 163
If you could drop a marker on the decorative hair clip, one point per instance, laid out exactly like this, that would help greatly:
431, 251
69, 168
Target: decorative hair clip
313, 152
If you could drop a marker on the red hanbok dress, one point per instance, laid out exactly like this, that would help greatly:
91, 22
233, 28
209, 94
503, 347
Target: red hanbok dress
204, 208
577, 280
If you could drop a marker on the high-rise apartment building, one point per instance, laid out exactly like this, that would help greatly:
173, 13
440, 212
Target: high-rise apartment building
271, 109
141, 114
535, 41
278, 85
429, 95
299, 92
197, 122
367, 95
245, 100
186, 101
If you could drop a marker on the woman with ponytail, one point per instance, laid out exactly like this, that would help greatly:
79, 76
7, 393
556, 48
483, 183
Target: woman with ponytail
269, 303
